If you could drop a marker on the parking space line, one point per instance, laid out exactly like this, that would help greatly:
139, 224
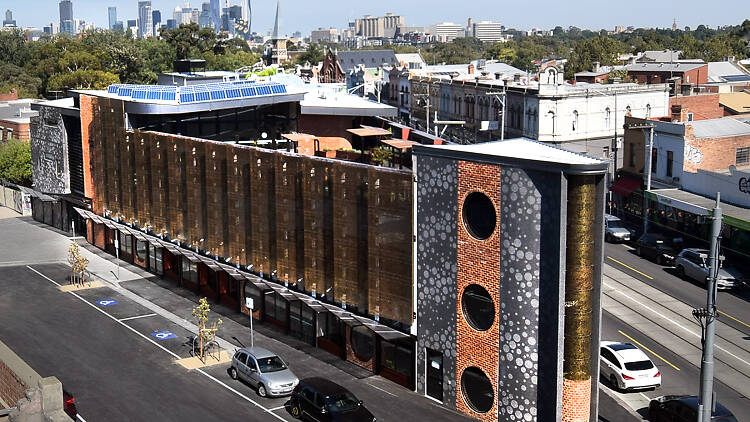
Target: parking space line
277, 408
80, 418
646, 397
741, 322
630, 268
378, 388
652, 352
136, 317
162, 347
679, 325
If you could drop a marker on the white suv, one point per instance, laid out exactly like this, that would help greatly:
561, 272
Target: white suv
627, 367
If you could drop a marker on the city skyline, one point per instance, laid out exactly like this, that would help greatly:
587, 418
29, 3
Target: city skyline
27, 14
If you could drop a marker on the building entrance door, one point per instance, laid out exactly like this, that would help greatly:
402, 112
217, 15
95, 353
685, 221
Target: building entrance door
434, 374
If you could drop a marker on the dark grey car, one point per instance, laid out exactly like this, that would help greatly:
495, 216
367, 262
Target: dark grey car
264, 371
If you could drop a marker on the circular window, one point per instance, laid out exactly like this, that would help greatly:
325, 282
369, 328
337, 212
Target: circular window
477, 390
363, 344
479, 215
478, 307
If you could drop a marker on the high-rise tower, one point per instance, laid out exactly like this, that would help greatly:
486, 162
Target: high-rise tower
67, 25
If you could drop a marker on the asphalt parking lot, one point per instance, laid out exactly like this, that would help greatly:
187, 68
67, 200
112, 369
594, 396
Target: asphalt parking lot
117, 355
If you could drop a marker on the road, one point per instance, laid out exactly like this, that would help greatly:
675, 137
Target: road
647, 304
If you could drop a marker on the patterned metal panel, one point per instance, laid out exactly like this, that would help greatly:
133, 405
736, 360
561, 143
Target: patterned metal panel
238, 204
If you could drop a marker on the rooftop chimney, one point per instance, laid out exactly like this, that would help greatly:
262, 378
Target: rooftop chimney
471, 69
597, 66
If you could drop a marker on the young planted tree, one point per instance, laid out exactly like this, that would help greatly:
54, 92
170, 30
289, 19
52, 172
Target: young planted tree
78, 264
206, 333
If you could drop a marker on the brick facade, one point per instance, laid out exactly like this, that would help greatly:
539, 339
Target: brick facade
478, 262
17, 130
12, 387
703, 107
716, 153
577, 400
695, 76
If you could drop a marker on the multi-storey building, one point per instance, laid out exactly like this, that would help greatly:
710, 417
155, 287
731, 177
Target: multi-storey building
447, 31
145, 20
378, 27
582, 117
67, 25
322, 35
487, 31
112, 14
473, 279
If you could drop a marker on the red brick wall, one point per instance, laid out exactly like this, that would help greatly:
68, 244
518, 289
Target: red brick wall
696, 76
718, 153
478, 262
12, 388
20, 130
702, 106
87, 109
12, 95
576, 400
327, 125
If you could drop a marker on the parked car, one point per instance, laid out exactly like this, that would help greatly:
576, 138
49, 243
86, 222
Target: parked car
69, 405
658, 247
627, 367
615, 230
683, 409
693, 263
319, 399
264, 371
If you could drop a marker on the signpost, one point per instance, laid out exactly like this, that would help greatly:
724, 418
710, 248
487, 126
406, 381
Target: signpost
249, 305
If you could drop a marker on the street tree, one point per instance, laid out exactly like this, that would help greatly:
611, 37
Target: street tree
206, 332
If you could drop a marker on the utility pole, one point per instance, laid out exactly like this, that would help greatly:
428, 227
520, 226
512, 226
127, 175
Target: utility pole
706, 400
500, 96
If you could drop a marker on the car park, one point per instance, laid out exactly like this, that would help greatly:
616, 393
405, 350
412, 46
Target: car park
693, 263
321, 400
264, 371
626, 367
683, 409
615, 230
657, 247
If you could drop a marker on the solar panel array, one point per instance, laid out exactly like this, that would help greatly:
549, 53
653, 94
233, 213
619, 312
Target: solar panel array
198, 93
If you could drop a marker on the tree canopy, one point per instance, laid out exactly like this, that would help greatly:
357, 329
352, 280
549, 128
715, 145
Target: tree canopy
15, 162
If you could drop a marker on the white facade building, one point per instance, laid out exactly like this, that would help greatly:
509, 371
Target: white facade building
487, 31
447, 31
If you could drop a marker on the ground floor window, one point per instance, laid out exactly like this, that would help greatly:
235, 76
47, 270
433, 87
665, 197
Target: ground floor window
363, 343
156, 262
275, 306
397, 357
252, 291
477, 390
189, 271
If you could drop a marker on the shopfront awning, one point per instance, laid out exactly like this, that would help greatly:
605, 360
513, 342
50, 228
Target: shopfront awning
700, 205
625, 186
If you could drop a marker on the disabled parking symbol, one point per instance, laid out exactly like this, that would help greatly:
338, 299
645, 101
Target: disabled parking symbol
106, 302
163, 335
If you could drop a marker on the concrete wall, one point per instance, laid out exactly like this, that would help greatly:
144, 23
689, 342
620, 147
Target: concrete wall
15, 199
734, 186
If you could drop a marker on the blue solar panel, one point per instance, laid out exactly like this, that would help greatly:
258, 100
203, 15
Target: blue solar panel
196, 93
139, 94
248, 92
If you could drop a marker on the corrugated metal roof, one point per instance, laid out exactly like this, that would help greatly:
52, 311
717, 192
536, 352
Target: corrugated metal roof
719, 128
663, 67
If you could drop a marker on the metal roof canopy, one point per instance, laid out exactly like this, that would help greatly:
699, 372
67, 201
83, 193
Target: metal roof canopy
400, 144
365, 131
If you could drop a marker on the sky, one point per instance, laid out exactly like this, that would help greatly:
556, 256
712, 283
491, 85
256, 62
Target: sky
306, 15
